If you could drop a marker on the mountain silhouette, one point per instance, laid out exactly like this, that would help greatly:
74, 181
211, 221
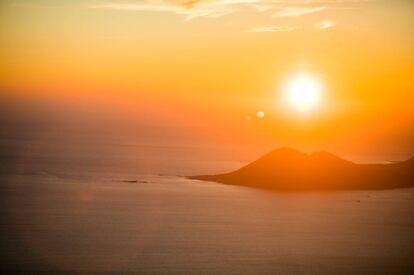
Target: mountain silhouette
289, 169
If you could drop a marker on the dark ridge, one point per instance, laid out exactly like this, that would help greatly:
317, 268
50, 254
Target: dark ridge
289, 169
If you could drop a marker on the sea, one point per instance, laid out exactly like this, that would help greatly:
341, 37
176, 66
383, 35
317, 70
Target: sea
128, 208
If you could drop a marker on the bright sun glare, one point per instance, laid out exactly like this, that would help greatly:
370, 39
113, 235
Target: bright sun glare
303, 92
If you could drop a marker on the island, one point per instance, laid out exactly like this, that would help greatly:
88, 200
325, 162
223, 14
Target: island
291, 170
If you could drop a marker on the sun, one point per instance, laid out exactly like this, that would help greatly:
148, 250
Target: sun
303, 92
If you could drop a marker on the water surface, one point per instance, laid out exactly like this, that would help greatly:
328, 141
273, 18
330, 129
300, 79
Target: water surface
168, 224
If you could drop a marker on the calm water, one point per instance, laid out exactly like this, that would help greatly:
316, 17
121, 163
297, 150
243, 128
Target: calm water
68, 208
173, 225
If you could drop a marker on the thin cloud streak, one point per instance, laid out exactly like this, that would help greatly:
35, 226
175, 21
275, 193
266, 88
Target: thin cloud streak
192, 9
325, 24
319, 26
189, 13
297, 11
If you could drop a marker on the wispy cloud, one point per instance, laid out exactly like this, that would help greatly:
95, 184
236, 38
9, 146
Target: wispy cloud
325, 24
319, 26
191, 9
297, 11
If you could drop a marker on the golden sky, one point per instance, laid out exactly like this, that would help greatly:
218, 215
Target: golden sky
201, 70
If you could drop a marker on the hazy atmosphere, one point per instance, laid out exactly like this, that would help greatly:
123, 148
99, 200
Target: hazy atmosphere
197, 72
207, 137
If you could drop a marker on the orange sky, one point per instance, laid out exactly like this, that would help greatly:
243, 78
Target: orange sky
196, 72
